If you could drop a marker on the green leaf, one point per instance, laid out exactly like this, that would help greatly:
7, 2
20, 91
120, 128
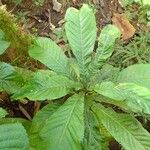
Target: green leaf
137, 98
44, 85
92, 136
145, 2
81, 33
76, 70
26, 123
124, 128
106, 73
25, 73
50, 54
109, 89
13, 136
42, 115
3, 112
65, 128
10, 80
107, 39
106, 42
40, 118
38, 123
138, 74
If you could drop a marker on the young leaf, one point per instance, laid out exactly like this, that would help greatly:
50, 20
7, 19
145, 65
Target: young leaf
107, 39
124, 128
138, 74
65, 128
3, 112
13, 136
81, 33
50, 54
10, 79
106, 73
43, 86
137, 98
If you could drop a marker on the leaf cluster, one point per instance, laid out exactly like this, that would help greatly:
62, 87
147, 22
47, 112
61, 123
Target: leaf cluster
85, 120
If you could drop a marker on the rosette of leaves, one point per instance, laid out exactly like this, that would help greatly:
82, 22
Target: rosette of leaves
89, 85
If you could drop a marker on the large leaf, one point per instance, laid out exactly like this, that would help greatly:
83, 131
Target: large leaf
106, 42
138, 74
137, 98
26, 123
65, 128
44, 85
81, 33
38, 123
109, 89
10, 80
50, 54
124, 128
42, 115
3, 112
13, 136
92, 136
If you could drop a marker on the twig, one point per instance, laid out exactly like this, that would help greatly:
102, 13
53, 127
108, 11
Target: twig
25, 112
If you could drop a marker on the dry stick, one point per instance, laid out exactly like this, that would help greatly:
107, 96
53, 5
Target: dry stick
25, 112
36, 107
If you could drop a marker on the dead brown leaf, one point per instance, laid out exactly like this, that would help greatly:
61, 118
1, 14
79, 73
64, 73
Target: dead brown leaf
57, 6
96, 2
124, 25
74, 1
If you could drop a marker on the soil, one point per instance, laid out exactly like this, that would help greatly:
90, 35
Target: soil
40, 17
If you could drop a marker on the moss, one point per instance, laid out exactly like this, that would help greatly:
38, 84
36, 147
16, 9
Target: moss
14, 33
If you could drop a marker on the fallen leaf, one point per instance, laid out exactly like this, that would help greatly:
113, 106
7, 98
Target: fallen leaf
124, 25
57, 6
96, 2
74, 1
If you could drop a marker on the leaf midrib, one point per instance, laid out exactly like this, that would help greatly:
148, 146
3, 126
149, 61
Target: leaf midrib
67, 123
122, 127
52, 58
